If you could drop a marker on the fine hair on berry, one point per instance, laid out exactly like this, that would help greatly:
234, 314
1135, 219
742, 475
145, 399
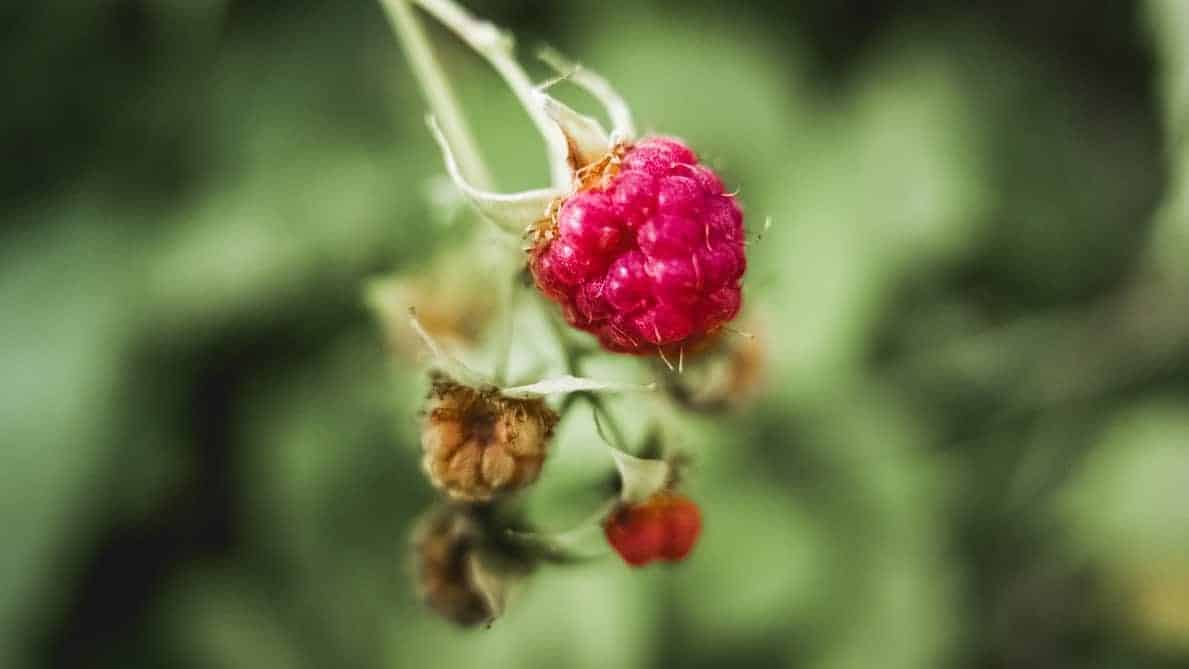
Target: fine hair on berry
648, 254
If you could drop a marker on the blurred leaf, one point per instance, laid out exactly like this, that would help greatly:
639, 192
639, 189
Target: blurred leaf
889, 188
1129, 501
1169, 23
64, 290
219, 621
593, 617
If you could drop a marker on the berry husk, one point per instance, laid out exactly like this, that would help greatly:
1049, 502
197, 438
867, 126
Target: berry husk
727, 376
464, 572
478, 444
443, 548
452, 309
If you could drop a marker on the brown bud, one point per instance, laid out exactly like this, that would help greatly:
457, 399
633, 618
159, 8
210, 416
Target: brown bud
478, 444
727, 375
453, 564
454, 307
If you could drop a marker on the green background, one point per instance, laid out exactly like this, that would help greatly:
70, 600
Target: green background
971, 449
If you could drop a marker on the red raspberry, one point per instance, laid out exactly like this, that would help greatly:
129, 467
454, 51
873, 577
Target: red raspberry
665, 527
649, 254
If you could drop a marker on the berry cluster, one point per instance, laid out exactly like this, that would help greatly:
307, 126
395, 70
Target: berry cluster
637, 242
664, 527
650, 255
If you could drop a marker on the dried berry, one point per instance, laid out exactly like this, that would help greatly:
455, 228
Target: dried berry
478, 444
648, 253
444, 546
453, 301
463, 570
664, 527
726, 376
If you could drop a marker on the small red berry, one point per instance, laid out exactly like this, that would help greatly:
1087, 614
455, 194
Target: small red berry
637, 533
684, 523
648, 253
664, 527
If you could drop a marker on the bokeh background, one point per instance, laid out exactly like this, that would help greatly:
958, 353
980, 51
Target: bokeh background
971, 449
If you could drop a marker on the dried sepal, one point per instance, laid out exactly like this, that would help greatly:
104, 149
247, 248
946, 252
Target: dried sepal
586, 140
511, 212
450, 365
640, 478
453, 307
464, 571
498, 48
436, 87
726, 376
444, 549
571, 384
622, 126
489, 584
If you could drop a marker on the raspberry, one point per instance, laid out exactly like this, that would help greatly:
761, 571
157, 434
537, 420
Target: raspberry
665, 527
648, 253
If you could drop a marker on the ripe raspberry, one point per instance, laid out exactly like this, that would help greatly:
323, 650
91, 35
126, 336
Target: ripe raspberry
665, 527
648, 253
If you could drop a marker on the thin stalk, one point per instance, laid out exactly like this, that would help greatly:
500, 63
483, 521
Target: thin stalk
598, 408
622, 126
438, 93
507, 329
496, 47
571, 354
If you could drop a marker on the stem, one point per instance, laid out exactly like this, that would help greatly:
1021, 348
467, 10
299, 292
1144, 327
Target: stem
570, 354
497, 48
503, 351
622, 126
436, 88
598, 408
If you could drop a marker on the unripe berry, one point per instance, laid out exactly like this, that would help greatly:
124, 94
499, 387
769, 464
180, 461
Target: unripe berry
664, 527
648, 254
479, 444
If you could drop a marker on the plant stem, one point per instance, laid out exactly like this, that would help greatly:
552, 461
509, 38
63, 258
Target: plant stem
621, 115
598, 408
507, 329
496, 47
438, 93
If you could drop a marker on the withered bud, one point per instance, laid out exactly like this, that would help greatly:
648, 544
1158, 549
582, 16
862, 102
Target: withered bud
478, 444
461, 572
454, 307
726, 376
